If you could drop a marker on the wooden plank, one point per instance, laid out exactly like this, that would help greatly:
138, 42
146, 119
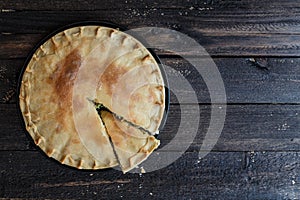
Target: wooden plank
266, 45
247, 128
18, 46
236, 175
244, 82
209, 23
13, 133
278, 45
91, 5
202, 5
221, 34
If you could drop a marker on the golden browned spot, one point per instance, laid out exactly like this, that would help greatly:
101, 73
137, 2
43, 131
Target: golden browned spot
75, 141
94, 165
37, 140
63, 79
111, 76
97, 30
154, 71
29, 70
65, 75
159, 87
49, 152
147, 57
158, 102
53, 42
110, 32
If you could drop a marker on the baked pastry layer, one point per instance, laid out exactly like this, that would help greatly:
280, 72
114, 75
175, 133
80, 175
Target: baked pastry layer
83, 64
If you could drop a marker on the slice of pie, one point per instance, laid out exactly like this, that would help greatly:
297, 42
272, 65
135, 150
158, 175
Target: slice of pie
84, 64
131, 144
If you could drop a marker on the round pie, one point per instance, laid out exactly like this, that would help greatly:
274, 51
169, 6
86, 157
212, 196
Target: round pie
77, 70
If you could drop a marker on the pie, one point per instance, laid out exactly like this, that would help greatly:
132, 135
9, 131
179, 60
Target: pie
78, 69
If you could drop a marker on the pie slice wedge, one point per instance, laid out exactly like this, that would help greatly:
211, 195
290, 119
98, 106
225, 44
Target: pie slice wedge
132, 145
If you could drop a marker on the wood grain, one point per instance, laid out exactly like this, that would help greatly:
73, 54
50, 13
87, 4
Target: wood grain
227, 7
219, 175
247, 128
244, 82
18, 46
223, 29
257, 154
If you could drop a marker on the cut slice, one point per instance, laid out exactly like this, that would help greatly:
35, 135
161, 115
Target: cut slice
131, 144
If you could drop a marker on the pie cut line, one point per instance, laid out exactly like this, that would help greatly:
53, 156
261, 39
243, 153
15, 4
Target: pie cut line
129, 154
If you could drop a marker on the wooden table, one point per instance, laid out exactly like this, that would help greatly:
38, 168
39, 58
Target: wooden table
258, 153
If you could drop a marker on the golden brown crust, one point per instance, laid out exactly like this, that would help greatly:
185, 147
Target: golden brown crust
53, 100
63, 79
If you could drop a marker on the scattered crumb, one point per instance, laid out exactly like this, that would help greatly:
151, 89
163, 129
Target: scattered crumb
151, 193
140, 186
143, 170
191, 8
91, 174
2, 73
293, 182
185, 72
7, 10
6, 33
95, 193
8, 95
283, 127
252, 154
259, 63
162, 13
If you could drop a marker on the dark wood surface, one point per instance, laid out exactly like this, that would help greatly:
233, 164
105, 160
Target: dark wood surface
258, 153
